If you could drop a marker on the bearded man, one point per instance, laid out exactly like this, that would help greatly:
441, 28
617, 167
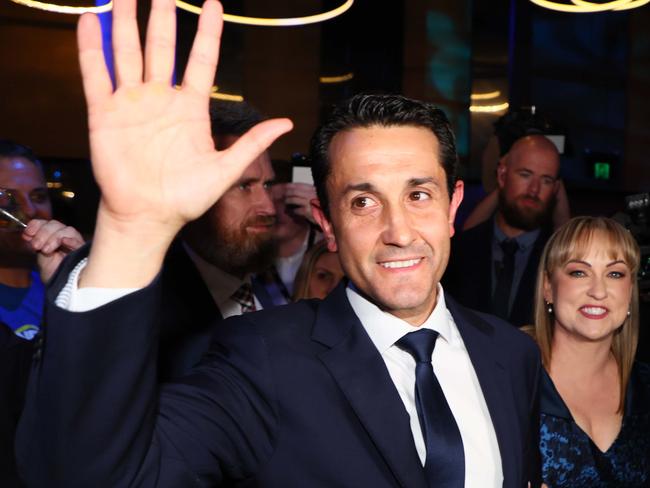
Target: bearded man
207, 271
493, 265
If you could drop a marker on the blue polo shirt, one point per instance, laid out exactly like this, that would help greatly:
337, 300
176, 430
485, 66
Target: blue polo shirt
22, 308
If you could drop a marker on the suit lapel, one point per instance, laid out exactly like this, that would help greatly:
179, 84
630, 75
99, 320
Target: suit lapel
361, 373
481, 247
493, 377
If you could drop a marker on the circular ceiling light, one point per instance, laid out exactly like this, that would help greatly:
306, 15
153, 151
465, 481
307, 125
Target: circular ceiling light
274, 22
626, 6
65, 9
236, 19
584, 6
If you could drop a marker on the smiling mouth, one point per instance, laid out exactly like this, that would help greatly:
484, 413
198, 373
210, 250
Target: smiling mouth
593, 311
407, 263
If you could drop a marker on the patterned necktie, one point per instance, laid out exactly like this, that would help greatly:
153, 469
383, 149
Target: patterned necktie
244, 296
503, 289
445, 460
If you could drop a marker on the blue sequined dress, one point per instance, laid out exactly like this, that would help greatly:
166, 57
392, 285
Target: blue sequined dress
571, 459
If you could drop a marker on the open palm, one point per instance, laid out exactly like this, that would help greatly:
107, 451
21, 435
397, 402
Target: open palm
152, 151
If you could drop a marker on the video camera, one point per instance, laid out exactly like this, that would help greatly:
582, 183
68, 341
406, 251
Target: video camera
637, 209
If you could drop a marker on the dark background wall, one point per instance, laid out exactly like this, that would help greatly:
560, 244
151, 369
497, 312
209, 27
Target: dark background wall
588, 72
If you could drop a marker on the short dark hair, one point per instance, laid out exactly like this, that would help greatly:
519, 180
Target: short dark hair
232, 118
367, 110
11, 149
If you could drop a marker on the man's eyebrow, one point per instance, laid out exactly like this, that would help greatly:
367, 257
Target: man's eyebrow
422, 181
358, 187
542, 175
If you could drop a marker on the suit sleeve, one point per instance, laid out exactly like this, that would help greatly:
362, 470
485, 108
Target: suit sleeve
96, 416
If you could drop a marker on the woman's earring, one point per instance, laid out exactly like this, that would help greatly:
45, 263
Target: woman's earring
629, 313
549, 308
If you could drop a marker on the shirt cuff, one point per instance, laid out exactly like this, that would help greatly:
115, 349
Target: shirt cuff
73, 299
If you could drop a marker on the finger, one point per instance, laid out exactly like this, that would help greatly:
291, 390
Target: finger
234, 160
96, 80
72, 243
161, 42
45, 232
32, 228
202, 62
301, 189
126, 44
61, 242
297, 201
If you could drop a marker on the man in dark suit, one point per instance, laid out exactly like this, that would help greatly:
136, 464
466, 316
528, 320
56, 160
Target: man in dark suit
216, 255
344, 392
493, 266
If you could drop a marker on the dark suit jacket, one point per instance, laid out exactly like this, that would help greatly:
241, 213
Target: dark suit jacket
296, 396
188, 315
15, 360
468, 277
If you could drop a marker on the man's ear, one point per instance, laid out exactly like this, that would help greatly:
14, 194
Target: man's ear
502, 167
324, 223
456, 199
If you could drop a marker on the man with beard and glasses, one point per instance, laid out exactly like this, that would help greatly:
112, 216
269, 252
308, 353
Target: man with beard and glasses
493, 265
208, 269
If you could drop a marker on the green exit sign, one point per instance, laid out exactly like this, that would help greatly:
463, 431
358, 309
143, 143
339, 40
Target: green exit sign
602, 171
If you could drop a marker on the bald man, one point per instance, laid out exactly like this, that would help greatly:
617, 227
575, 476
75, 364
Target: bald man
493, 265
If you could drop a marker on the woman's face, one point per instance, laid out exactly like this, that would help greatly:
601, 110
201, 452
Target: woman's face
591, 294
326, 275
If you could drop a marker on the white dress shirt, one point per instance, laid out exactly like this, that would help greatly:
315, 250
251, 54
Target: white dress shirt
457, 378
221, 285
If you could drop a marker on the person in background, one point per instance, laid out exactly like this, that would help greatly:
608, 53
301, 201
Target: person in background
208, 271
23, 192
493, 265
49, 242
316, 393
295, 233
319, 273
595, 400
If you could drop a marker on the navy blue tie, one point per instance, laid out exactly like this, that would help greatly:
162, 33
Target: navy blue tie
445, 460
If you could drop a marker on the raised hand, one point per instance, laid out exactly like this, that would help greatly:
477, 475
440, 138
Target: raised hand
151, 146
51, 240
299, 197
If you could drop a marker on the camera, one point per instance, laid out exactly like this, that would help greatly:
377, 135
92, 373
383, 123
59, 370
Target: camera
637, 208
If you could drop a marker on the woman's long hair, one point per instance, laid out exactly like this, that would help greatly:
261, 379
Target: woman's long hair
571, 241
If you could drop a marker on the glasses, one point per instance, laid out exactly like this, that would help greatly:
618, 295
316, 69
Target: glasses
11, 216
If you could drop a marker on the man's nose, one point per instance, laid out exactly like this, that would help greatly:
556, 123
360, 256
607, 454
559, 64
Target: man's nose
398, 230
534, 186
26, 205
263, 201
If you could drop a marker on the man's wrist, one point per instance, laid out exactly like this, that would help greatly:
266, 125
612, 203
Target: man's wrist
126, 254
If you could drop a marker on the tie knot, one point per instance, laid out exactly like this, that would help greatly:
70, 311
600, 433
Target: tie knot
419, 344
509, 247
244, 296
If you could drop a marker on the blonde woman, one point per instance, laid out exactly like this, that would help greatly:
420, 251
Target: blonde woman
319, 273
595, 400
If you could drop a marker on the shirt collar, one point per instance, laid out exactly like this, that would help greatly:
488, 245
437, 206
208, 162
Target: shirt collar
385, 329
221, 284
524, 240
